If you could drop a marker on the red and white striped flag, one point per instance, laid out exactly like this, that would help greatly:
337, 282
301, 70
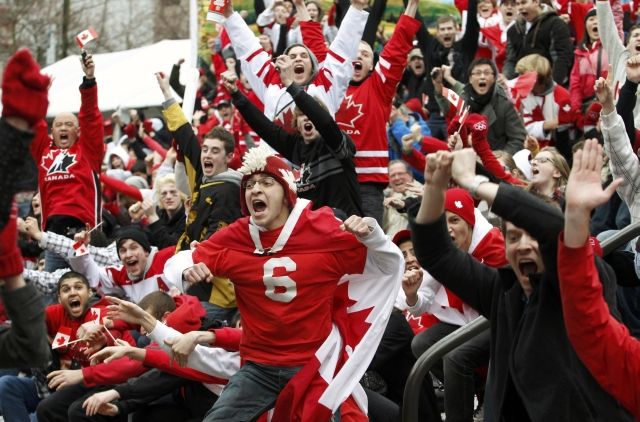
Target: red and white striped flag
62, 338
85, 36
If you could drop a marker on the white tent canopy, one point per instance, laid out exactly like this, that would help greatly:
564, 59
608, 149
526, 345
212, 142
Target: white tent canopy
125, 78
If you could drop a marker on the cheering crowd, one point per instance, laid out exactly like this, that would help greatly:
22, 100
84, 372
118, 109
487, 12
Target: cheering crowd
339, 202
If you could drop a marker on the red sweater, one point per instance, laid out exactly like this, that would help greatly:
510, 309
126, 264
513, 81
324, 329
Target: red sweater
57, 318
68, 178
603, 344
365, 110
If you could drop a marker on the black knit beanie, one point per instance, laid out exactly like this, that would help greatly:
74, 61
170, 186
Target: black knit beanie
134, 234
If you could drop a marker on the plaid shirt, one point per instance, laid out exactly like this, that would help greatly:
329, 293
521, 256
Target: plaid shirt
45, 282
63, 246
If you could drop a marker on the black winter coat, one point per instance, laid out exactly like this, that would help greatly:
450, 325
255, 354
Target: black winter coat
534, 374
548, 36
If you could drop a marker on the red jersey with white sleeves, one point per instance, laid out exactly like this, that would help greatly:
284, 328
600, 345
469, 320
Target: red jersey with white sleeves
58, 321
330, 82
536, 109
285, 296
116, 277
365, 111
68, 178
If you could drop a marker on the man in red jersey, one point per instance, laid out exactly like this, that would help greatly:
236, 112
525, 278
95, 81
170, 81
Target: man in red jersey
68, 166
315, 295
365, 110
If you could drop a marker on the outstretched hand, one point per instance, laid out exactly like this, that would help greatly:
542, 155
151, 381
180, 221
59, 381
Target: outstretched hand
125, 311
584, 189
584, 192
163, 82
604, 93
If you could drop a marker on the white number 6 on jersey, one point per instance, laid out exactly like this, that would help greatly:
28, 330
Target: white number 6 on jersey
280, 288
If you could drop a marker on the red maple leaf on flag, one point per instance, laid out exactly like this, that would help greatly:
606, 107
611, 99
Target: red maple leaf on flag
61, 341
349, 112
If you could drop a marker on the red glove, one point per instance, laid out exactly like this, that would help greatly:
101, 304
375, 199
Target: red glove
10, 257
454, 126
24, 88
131, 131
478, 126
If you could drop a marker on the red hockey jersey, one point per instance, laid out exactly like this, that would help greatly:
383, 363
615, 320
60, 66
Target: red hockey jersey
68, 178
365, 110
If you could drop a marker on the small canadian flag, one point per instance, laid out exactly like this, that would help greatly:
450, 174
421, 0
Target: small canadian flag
85, 36
95, 314
80, 248
453, 98
62, 338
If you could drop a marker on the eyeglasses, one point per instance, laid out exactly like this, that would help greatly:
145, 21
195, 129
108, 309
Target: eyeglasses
541, 160
482, 72
265, 182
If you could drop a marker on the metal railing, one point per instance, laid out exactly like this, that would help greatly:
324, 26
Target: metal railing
410, 407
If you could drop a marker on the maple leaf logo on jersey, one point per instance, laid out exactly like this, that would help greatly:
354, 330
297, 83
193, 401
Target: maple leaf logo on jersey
350, 112
59, 163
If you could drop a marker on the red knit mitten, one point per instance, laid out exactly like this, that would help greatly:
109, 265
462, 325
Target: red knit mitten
10, 257
477, 126
24, 88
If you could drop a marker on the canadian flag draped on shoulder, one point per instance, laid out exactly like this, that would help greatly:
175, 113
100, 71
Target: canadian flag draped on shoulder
362, 303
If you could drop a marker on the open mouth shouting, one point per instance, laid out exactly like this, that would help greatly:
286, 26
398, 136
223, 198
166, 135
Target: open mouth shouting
75, 306
131, 264
527, 267
307, 130
357, 66
259, 206
298, 69
207, 165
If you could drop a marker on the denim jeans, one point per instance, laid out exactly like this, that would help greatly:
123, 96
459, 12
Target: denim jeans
215, 312
250, 392
18, 398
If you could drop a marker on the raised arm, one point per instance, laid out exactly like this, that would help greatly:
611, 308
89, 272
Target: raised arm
603, 344
433, 245
90, 118
613, 45
623, 161
179, 126
276, 136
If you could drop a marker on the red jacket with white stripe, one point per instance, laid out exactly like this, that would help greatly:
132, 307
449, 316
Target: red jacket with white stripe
329, 84
365, 111
116, 277
554, 104
68, 178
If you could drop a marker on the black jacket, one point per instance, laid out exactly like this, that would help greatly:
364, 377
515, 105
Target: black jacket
548, 36
167, 230
459, 56
534, 372
327, 172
